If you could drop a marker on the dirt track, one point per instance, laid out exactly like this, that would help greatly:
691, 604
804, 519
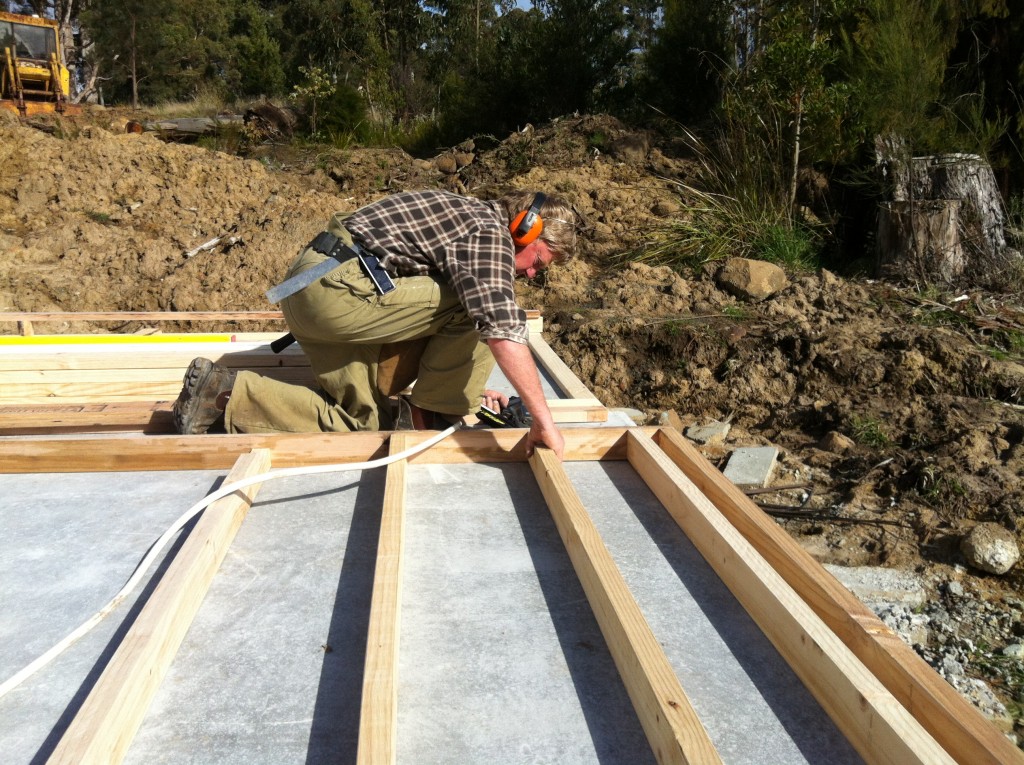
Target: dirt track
100, 220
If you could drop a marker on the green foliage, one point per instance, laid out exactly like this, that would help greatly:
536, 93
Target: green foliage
895, 59
157, 50
793, 247
868, 431
254, 56
738, 202
315, 87
692, 39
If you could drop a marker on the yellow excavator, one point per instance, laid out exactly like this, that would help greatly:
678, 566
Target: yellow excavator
33, 79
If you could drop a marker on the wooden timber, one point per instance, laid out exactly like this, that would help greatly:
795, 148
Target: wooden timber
105, 725
564, 377
75, 454
878, 727
154, 417
943, 712
378, 722
27, 319
673, 728
49, 372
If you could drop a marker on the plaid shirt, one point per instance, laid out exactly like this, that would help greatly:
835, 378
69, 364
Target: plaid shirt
465, 240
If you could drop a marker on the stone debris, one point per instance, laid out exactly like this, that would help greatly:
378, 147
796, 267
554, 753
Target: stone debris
669, 419
715, 432
836, 443
991, 548
752, 466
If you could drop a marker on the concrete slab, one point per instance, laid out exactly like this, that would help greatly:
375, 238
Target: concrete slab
501, 659
67, 545
751, 466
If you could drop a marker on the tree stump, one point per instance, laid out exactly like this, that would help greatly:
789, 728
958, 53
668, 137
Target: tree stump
942, 241
920, 241
968, 177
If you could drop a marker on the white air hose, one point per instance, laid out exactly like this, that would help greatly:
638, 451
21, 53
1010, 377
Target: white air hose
192, 512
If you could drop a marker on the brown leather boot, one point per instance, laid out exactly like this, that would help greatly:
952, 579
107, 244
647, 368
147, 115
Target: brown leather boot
203, 398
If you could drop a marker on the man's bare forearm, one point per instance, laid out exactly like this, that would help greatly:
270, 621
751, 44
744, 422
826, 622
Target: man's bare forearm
516, 361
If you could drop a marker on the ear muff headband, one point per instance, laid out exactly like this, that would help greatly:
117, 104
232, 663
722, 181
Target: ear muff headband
527, 225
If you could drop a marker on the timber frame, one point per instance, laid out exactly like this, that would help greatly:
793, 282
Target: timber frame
127, 383
891, 706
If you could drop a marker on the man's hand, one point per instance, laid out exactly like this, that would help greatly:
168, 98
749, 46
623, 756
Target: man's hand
550, 437
516, 362
494, 401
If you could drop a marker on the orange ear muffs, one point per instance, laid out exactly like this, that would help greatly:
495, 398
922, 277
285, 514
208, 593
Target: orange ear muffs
528, 225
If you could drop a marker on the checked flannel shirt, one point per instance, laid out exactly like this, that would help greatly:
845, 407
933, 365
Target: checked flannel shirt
465, 240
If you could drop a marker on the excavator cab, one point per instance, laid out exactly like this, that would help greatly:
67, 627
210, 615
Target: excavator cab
33, 78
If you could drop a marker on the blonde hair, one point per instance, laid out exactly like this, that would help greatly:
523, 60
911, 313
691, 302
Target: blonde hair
560, 221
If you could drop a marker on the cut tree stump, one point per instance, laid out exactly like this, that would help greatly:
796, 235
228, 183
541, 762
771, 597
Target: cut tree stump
920, 241
945, 221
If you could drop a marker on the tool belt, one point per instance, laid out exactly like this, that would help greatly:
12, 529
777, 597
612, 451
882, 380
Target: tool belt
337, 252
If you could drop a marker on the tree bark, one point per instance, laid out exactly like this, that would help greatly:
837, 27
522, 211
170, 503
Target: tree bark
920, 241
918, 221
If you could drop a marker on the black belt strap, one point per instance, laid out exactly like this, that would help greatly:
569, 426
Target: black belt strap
325, 243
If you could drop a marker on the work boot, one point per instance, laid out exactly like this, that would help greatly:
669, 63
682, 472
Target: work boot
203, 398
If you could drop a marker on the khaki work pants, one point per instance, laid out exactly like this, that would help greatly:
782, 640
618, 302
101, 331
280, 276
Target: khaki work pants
342, 323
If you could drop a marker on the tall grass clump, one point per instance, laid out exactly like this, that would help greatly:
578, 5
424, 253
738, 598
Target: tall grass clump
208, 101
738, 200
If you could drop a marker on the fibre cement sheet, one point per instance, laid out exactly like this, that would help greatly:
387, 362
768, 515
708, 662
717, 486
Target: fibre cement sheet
67, 544
501, 660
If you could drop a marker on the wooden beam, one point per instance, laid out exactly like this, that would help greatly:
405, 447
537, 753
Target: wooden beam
673, 729
126, 316
172, 356
378, 721
134, 417
108, 719
875, 723
75, 454
154, 417
960, 728
564, 377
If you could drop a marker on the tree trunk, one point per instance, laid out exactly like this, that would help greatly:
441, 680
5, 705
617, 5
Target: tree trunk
920, 241
134, 68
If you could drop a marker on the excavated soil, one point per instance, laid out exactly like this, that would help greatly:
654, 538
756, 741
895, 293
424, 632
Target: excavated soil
899, 428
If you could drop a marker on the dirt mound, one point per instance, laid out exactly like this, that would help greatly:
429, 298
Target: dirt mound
902, 431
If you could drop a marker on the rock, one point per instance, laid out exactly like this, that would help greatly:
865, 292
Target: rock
446, 164
955, 589
989, 547
664, 208
1014, 651
836, 443
706, 434
464, 158
670, 419
752, 279
631, 149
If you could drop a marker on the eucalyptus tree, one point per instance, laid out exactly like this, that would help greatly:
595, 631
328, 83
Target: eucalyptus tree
685, 65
